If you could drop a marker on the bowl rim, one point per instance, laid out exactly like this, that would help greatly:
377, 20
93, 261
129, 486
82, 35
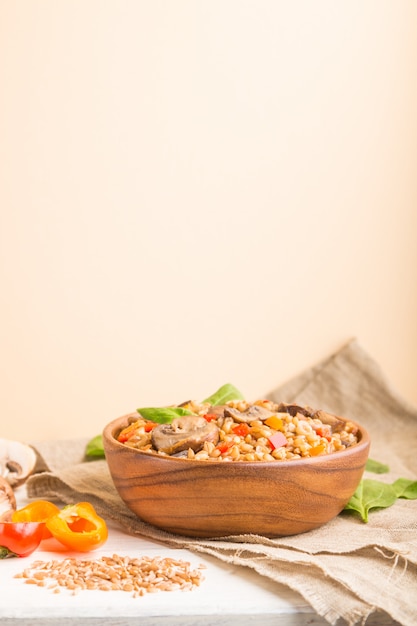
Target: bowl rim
110, 429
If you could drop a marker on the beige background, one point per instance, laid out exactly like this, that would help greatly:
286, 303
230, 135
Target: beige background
200, 192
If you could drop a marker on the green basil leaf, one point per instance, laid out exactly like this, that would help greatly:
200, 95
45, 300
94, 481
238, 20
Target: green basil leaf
94, 448
371, 494
355, 503
163, 415
405, 488
377, 495
226, 393
376, 467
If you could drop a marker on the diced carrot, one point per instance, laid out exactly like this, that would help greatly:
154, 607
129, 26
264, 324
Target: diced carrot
319, 449
274, 422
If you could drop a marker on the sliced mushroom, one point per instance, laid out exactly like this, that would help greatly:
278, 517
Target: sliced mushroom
188, 431
334, 422
293, 409
253, 412
17, 461
7, 500
217, 410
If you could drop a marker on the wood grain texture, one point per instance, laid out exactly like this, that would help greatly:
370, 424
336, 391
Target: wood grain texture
209, 499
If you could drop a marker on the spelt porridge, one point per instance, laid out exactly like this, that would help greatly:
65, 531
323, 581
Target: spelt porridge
240, 431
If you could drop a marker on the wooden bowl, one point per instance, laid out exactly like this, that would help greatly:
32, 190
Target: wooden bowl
217, 499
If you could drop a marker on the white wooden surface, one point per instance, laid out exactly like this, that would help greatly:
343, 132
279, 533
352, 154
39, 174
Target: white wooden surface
227, 595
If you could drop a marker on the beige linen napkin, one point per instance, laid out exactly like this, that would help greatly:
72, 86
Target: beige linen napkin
346, 570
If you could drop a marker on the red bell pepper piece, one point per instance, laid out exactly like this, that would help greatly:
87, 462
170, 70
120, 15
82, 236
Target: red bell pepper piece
324, 431
210, 417
224, 446
20, 538
241, 429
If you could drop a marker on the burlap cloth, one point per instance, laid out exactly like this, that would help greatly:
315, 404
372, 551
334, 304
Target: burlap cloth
347, 570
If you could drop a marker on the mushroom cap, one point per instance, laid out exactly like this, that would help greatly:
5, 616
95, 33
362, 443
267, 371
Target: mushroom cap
188, 431
253, 412
17, 461
7, 500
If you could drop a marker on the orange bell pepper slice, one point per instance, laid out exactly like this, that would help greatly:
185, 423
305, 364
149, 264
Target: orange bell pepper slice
37, 511
78, 527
